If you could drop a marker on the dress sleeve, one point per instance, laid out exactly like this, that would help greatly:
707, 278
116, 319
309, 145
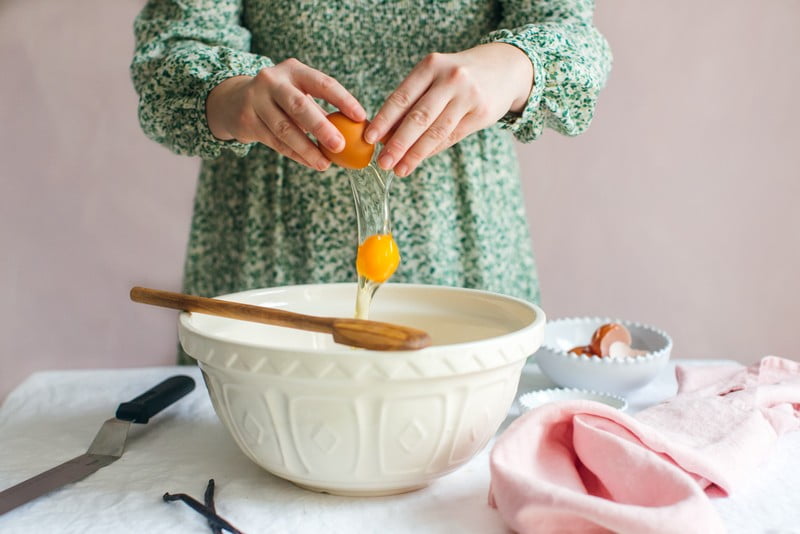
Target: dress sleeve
571, 62
184, 48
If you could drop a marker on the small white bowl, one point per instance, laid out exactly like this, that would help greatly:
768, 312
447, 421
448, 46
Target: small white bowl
618, 376
534, 399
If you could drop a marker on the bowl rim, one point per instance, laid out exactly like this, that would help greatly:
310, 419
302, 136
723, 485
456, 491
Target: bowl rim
629, 360
539, 321
556, 393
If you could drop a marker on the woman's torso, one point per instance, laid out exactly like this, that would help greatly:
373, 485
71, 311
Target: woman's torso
368, 45
459, 219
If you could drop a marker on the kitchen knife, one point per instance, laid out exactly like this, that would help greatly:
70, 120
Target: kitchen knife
107, 446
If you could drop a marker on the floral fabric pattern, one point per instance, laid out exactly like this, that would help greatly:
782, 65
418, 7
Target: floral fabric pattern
262, 220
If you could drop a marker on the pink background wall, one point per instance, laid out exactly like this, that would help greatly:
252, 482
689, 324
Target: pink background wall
677, 208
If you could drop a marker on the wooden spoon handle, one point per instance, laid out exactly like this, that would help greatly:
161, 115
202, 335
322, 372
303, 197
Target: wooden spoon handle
372, 335
231, 310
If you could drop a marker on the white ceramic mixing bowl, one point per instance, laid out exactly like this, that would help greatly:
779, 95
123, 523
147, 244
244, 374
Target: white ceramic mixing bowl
359, 422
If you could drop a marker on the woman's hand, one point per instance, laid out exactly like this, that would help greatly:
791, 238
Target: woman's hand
276, 108
447, 97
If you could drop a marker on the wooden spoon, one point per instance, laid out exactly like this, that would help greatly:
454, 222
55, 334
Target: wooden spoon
361, 333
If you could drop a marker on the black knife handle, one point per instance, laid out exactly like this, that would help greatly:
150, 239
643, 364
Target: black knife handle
155, 399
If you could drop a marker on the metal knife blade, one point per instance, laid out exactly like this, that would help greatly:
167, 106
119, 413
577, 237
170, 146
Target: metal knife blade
70, 471
107, 446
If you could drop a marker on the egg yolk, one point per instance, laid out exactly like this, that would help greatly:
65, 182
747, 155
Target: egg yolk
356, 153
378, 257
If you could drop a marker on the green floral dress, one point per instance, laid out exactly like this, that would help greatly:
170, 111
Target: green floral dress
262, 220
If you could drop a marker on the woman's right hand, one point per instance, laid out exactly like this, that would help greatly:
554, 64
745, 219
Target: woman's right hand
276, 107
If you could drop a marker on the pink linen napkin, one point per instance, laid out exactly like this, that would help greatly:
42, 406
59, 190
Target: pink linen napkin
581, 466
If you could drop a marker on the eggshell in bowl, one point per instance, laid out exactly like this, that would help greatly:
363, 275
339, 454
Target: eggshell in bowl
616, 375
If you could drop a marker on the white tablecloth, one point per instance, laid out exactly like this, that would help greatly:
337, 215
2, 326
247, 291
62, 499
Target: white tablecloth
53, 416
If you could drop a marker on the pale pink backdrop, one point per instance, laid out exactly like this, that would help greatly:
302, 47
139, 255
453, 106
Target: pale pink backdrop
677, 208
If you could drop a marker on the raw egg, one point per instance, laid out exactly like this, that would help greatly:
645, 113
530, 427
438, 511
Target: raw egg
378, 257
356, 153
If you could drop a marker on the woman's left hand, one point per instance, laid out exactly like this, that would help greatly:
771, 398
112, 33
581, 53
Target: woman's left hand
445, 98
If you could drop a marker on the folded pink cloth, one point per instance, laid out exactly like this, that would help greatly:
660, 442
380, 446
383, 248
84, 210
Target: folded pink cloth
581, 466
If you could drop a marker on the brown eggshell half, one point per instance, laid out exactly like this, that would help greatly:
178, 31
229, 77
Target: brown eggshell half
582, 350
607, 334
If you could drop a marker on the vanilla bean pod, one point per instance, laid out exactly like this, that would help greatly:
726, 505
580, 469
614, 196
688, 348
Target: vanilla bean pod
203, 510
208, 497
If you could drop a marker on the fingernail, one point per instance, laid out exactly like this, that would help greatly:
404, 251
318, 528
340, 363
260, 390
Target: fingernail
322, 165
370, 136
386, 161
401, 170
336, 144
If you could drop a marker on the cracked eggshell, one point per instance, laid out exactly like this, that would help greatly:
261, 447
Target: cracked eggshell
608, 334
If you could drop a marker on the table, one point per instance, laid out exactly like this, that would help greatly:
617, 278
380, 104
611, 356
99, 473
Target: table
53, 416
